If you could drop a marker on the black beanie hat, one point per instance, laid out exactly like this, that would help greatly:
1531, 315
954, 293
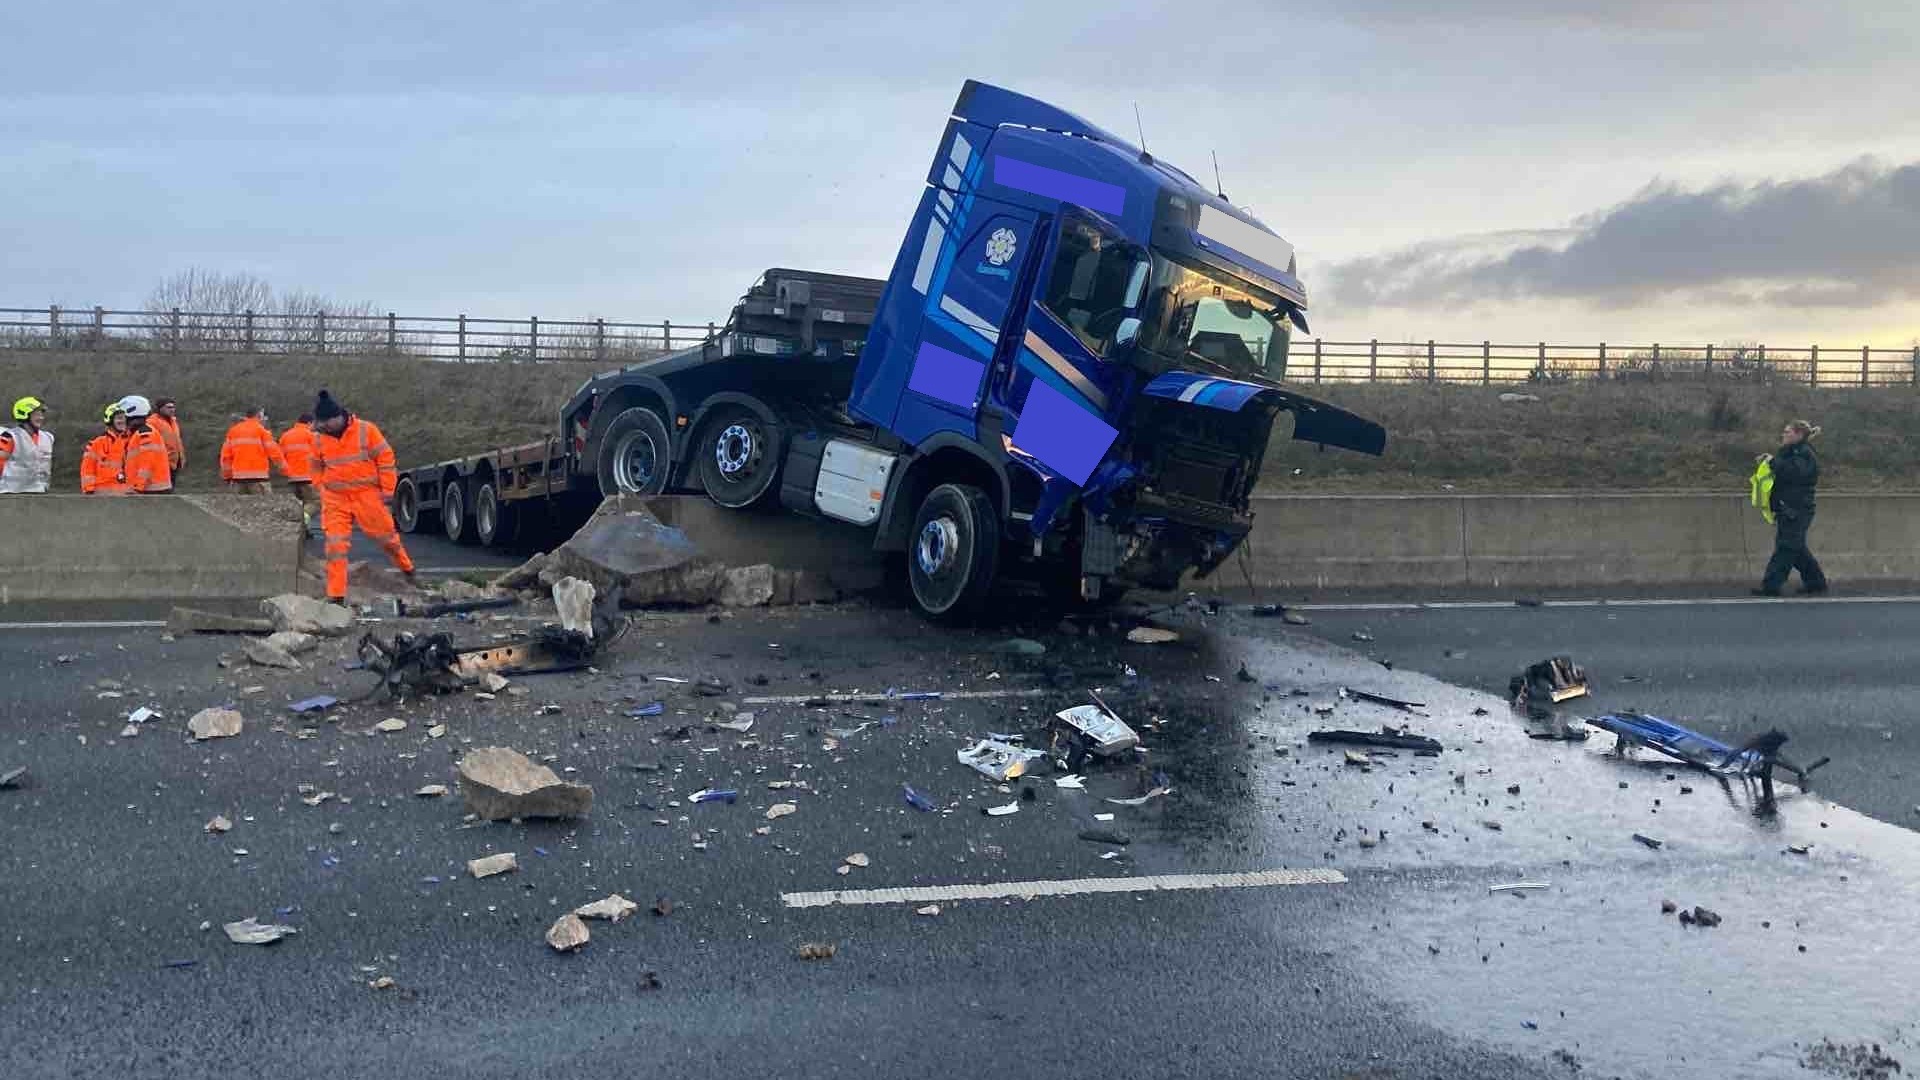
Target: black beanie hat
325, 408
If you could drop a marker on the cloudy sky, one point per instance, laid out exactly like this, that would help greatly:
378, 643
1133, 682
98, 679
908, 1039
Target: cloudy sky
1640, 170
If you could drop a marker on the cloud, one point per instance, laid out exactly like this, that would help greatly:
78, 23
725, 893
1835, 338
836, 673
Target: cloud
1848, 238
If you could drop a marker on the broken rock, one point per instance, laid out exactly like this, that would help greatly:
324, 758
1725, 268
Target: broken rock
215, 724
250, 931
219, 824
613, 908
504, 863
747, 586
499, 784
567, 933
292, 642
268, 655
13, 776
305, 615
183, 620
390, 725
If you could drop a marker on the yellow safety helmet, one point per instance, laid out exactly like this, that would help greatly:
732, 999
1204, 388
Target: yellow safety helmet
26, 407
106, 414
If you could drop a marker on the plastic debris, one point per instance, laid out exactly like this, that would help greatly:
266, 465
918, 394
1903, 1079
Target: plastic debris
913, 695
997, 760
1378, 699
568, 933
384, 982
1142, 800
1648, 840
250, 931
143, 714
436, 731
214, 724
743, 722
1355, 757
1151, 635
930, 910
431, 791
780, 810
612, 908
1518, 886
504, 863
317, 703
1071, 783
1106, 734
1002, 810
12, 777
390, 725
714, 795
1388, 737
1106, 836
651, 708
218, 824
858, 858
915, 799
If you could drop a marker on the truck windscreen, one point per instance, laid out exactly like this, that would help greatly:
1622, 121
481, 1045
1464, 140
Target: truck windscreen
1191, 314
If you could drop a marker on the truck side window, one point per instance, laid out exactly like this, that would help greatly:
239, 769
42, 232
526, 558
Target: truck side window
1094, 283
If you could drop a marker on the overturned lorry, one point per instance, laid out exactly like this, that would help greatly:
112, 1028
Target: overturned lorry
1071, 375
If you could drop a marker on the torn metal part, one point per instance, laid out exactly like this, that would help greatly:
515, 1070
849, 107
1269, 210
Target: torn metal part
1377, 699
1387, 737
455, 607
997, 760
409, 663
1547, 683
12, 777
1105, 733
1757, 757
1518, 886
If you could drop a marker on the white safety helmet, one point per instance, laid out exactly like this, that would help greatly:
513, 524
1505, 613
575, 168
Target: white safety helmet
136, 407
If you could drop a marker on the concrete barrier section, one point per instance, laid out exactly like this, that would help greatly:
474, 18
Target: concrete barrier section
150, 547
1333, 540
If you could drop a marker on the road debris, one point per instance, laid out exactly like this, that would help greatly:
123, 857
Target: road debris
1799, 849
500, 784
214, 724
613, 907
725, 795
317, 703
390, 725
1022, 647
504, 863
1002, 810
1104, 733
743, 723
266, 655
915, 799
1519, 886
1387, 737
143, 714
1851, 1061
1700, 916
1545, 684
1649, 841
431, 791
998, 761
12, 777
1756, 757
1378, 699
858, 858
1071, 783
1356, 757
781, 809
567, 933
1151, 635
384, 982
651, 708
818, 950
930, 910
1106, 836
662, 906
250, 931
493, 682
184, 620
1142, 800
218, 824
305, 615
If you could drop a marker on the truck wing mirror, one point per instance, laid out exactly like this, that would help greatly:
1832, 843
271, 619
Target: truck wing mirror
1127, 332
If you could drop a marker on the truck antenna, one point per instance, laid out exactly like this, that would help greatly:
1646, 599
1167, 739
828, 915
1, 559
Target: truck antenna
1142, 128
1217, 189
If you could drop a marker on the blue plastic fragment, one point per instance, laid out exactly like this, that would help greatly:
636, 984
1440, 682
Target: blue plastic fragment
915, 799
284, 912
180, 963
314, 704
725, 796
430, 880
889, 721
540, 851
912, 695
651, 708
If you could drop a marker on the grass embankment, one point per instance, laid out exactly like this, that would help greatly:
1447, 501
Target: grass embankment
1604, 437
429, 410
1578, 437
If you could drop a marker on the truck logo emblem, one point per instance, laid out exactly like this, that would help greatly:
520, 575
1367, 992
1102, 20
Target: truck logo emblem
1001, 246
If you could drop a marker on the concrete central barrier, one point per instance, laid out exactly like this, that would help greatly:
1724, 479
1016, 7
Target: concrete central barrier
150, 547
1647, 538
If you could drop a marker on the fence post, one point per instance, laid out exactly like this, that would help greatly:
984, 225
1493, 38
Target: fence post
1373, 360
174, 345
1709, 359
533, 338
1542, 362
393, 338
1603, 361
1316, 360
711, 331
666, 334
1865, 366
1430, 371
1760, 352
1913, 372
1656, 355
599, 339
320, 329
53, 324
1486, 363
463, 337
1813, 367
99, 325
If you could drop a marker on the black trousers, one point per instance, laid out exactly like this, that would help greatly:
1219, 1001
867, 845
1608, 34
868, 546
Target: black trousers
1790, 553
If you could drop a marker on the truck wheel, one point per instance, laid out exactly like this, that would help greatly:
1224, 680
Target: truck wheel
955, 552
495, 523
635, 454
406, 505
454, 519
739, 456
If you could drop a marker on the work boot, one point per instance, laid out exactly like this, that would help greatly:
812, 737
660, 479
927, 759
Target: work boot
1813, 590
1763, 592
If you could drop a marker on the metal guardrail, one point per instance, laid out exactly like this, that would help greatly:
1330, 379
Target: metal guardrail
465, 338
459, 338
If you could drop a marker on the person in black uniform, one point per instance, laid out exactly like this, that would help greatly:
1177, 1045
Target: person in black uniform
1796, 472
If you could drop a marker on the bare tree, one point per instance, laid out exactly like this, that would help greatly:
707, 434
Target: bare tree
205, 309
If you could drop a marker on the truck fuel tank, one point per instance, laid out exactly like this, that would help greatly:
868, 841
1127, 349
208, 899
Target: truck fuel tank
852, 485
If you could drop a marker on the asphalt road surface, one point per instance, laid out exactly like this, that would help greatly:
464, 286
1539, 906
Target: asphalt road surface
1371, 947
1838, 676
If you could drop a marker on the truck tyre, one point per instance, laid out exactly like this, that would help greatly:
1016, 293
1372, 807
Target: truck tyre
636, 454
954, 553
406, 505
495, 522
739, 457
454, 519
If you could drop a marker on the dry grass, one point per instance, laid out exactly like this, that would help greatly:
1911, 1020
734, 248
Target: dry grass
1579, 437
1604, 437
428, 410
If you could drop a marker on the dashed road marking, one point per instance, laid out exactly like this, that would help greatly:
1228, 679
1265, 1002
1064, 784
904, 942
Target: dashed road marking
1701, 601
1023, 890
886, 699
134, 624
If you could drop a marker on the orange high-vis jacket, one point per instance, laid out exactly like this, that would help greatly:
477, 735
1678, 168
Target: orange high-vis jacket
148, 470
248, 451
169, 432
357, 459
297, 447
103, 467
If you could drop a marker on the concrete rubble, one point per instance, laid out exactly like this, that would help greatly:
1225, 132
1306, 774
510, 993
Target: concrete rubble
612, 908
292, 642
568, 933
215, 724
266, 654
504, 863
184, 620
305, 615
499, 784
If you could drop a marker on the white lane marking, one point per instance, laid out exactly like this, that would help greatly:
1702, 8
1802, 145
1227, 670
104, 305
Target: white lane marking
1006, 890
1703, 601
881, 698
461, 569
135, 624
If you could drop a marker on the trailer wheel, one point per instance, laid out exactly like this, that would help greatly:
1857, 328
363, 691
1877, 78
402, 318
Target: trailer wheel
739, 456
454, 519
955, 553
406, 505
495, 522
636, 454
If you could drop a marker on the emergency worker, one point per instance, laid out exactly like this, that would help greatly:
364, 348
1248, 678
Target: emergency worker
354, 468
103, 467
249, 453
26, 450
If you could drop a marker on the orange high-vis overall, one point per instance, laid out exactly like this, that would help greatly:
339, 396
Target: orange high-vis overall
248, 452
169, 432
296, 447
148, 470
356, 476
103, 467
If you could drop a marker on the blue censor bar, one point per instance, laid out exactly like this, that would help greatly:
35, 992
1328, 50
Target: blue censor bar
946, 375
1062, 434
1054, 184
